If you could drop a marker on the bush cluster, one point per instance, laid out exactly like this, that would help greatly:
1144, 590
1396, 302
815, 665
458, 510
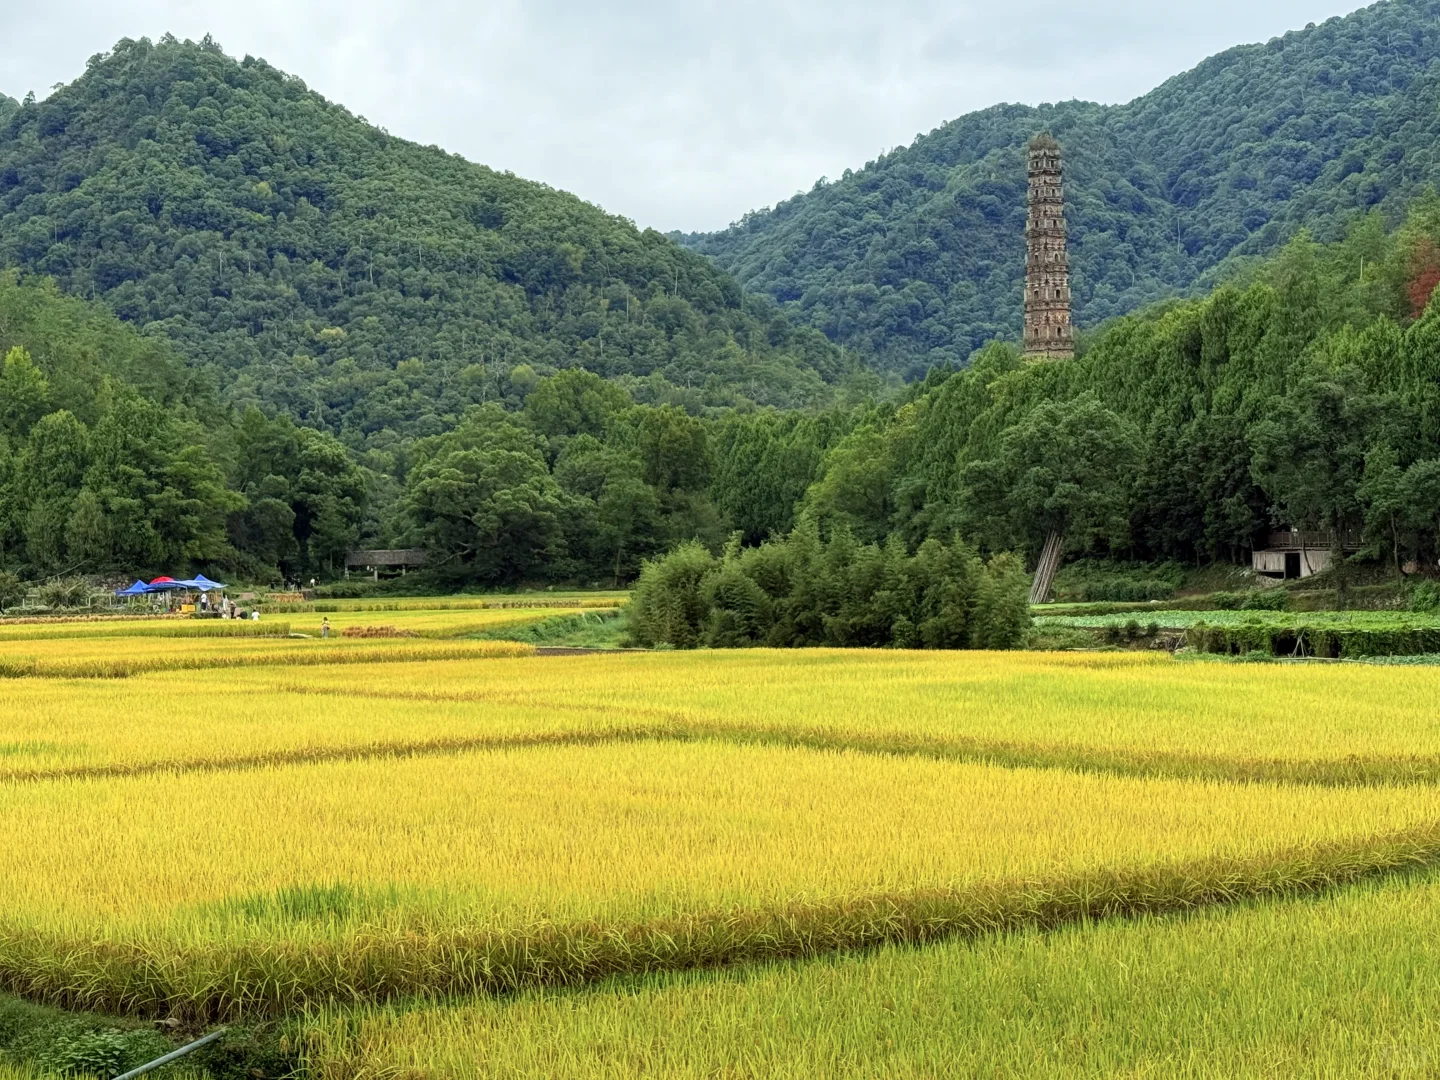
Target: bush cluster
1257, 600
804, 591
1128, 633
1126, 591
1330, 642
1425, 597
1091, 581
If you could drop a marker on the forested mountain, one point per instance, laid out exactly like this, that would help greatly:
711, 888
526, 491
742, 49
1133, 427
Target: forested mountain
318, 267
918, 257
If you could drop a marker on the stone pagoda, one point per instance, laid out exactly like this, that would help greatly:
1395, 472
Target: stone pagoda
1048, 333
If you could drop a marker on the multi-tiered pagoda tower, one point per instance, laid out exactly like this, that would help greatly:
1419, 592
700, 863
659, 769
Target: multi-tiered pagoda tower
1047, 267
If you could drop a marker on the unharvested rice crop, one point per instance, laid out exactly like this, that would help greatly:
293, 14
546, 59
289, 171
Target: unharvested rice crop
218, 894
157, 627
347, 833
1126, 713
174, 723
548, 599
10, 1071
436, 623
103, 658
1116, 713
1181, 620
441, 623
1343, 985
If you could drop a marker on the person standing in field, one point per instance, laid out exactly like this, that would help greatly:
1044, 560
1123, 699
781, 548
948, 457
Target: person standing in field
325, 627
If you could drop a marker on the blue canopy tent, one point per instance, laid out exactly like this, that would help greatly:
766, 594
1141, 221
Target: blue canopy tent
199, 583
203, 583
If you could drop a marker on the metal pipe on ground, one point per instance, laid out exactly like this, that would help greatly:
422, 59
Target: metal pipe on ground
173, 1055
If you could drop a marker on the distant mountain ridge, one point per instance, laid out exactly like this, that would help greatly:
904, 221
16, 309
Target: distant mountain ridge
917, 258
318, 266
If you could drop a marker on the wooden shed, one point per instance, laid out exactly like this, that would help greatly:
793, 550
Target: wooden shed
389, 559
1299, 553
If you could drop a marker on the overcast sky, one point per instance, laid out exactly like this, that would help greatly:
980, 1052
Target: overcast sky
680, 115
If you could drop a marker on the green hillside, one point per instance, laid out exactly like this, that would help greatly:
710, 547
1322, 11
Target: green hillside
318, 266
917, 258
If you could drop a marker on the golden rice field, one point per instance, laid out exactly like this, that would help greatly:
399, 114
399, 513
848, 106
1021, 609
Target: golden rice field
548, 599
1337, 985
452, 858
1113, 713
104, 658
447, 622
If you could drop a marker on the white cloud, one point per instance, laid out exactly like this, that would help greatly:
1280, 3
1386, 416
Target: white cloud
679, 115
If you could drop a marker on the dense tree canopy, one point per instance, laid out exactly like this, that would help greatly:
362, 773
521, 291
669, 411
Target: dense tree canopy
311, 264
117, 458
1304, 394
113, 460
917, 258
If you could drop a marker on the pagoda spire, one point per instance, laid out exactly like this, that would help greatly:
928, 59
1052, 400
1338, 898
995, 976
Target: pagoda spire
1048, 333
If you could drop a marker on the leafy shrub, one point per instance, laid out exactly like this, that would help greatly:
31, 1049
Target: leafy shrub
1091, 581
1426, 597
667, 606
1266, 600
104, 1051
66, 592
802, 590
1129, 632
1127, 591
1058, 638
1255, 600
1002, 609
12, 590
1334, 640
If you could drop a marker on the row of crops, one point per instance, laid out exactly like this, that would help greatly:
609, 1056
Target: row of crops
455, 858
1327, 634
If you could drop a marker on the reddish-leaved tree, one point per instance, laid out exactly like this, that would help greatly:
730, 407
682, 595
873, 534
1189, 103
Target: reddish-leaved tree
1424, 276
